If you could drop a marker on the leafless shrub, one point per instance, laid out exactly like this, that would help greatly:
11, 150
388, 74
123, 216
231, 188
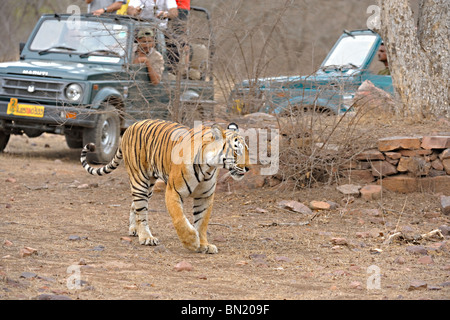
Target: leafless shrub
316, 147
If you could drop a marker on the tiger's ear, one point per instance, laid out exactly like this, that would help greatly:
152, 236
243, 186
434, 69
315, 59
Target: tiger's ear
217, 131
233, 126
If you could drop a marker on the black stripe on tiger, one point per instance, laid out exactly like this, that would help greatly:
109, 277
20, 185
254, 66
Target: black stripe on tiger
110, 167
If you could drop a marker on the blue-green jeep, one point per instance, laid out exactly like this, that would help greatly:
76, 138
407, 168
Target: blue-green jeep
330, 89
75, 77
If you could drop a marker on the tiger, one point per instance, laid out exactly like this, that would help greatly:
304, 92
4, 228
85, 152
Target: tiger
188, 160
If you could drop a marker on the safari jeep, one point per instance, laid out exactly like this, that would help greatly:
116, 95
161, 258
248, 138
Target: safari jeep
351, 61
75, 77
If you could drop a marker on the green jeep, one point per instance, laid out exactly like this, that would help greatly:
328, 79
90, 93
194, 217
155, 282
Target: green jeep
75, 77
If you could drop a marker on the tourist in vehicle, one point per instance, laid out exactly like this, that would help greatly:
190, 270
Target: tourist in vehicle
98, 7
166, 11
123, 9
151, 9
147, 55
382, 56
177, 42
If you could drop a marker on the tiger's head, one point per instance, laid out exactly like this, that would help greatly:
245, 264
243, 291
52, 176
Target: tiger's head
230, 150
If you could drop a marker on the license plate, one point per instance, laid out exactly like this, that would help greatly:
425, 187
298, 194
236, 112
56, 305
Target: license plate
24, 110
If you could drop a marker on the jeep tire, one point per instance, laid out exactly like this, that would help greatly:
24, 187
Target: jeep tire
74, 138
105, 135
4, 138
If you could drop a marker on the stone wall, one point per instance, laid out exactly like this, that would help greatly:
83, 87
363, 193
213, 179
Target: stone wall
405, 164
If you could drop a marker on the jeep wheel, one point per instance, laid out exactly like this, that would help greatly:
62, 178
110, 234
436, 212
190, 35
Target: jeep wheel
4, 138
105, 135
74, 138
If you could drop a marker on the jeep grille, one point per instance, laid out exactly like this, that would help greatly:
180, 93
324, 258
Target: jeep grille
32, 89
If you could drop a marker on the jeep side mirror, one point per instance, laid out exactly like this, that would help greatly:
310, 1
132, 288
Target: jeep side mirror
21, 46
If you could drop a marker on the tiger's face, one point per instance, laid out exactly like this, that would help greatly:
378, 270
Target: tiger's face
231, 151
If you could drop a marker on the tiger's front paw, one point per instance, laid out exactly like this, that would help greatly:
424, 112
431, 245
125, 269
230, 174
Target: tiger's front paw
149, 241
145, 236
208, 248
191, 241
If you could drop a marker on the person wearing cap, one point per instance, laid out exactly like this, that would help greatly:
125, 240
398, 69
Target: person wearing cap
147, 55
98, 7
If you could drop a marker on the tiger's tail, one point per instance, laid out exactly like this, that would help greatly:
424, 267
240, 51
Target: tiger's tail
110, 167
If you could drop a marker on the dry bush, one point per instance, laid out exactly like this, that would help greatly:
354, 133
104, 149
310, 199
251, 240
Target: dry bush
315, 147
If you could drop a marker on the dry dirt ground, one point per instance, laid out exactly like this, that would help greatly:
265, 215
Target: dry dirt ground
77, 223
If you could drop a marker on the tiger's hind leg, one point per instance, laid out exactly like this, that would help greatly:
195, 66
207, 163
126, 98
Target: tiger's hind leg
141, 192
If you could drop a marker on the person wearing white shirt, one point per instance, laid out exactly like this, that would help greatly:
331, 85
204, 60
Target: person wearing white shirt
151, 9
98, 7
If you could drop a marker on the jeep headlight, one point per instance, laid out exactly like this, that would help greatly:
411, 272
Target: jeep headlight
73, 92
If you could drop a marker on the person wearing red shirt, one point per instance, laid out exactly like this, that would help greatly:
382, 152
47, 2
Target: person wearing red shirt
178, 41
184, 4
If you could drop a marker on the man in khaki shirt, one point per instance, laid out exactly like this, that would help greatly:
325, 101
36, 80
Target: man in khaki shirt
147, 55
382, 56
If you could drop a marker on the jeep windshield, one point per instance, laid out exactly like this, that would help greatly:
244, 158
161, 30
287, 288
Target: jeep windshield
350, 52
85, 38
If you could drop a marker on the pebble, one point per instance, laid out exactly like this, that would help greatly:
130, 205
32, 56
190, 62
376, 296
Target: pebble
425, 260
434, 288
339, 241
254, 256
416, 250
400, 260
417, 285
282, 259
125, 239
319, 205
295, 206
445, 230
260, 210
333, 205
364, 234
183, 266
27, 251
349, 189
355, 285
131, 287
28, 275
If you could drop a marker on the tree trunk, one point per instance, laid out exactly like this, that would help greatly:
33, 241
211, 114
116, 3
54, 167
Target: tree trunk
419, 57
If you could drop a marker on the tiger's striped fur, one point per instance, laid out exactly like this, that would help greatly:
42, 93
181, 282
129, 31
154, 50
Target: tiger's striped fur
188, 161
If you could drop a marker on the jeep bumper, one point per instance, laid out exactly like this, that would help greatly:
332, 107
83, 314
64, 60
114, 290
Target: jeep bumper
45, 118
